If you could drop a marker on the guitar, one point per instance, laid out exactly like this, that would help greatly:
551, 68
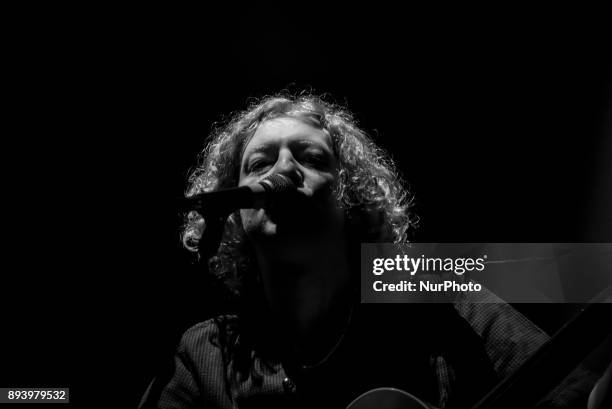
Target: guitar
536, 376
387, 398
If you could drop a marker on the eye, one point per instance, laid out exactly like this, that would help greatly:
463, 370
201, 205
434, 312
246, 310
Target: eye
259, 165
315, 159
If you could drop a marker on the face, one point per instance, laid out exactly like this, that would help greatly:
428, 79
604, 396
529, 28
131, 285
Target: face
303, 153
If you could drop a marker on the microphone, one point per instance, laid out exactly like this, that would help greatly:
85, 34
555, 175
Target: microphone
225, 201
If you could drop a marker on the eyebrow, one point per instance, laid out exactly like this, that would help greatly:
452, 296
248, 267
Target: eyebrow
300, 143
266, 148
307, 142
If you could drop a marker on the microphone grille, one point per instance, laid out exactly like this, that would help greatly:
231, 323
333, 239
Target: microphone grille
278, 183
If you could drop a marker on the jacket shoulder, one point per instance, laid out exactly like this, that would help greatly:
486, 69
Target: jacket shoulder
205, 336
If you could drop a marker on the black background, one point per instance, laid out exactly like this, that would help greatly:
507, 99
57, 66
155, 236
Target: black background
501, 126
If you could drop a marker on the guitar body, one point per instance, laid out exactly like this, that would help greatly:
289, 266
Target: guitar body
387, 398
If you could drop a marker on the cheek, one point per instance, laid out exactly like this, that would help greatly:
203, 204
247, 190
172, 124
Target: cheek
242, 180
320, 185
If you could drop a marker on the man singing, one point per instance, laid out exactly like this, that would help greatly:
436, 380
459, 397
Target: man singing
300, 337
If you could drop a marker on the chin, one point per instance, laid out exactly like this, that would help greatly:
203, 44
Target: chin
268, 230
259, 228
282, 229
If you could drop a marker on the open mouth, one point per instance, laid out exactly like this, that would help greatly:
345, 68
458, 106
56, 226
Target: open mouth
290, 204
298, 214
294, 208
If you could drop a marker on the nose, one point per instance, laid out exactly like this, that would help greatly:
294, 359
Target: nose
287, 166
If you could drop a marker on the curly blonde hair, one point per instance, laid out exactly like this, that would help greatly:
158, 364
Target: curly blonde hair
369, 187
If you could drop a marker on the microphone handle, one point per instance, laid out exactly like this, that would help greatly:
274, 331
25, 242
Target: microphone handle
222, 202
